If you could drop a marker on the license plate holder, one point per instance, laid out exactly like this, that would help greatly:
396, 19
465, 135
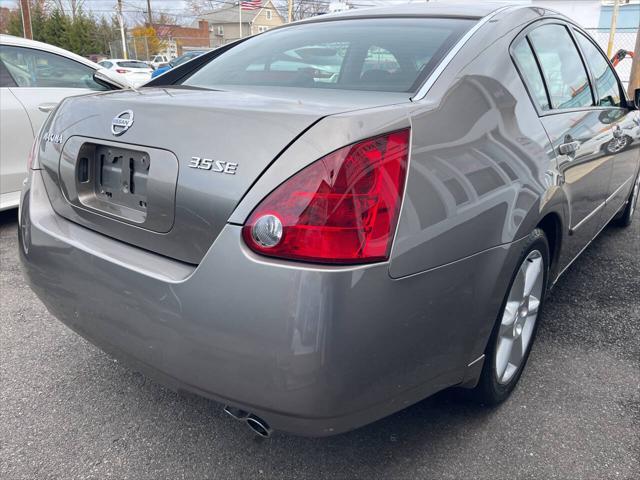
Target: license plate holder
107, 180
122, 176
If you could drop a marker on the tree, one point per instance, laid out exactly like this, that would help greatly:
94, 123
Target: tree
81, 33
81, 37
106, 32
14, 23
145, 41
55, 29
38, 18
309, 8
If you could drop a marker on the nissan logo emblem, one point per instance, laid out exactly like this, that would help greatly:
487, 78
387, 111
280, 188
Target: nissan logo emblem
122, 122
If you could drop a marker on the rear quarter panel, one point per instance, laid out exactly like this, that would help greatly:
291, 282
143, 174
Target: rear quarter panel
482, 172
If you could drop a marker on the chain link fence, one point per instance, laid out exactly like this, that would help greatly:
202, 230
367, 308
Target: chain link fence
624, 39
145, 48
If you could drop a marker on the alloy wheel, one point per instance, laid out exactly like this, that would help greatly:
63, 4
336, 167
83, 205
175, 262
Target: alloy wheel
519, 318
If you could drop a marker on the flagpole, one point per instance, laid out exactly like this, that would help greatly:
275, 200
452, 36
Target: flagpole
240, 17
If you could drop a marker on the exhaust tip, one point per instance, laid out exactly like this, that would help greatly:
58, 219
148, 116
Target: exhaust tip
259, 426
236, 413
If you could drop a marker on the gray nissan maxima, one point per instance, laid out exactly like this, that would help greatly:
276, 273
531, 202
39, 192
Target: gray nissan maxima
325, 223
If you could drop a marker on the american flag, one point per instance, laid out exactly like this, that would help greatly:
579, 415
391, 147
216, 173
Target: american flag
251, 5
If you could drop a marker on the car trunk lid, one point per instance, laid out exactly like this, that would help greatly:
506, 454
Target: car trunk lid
164, 168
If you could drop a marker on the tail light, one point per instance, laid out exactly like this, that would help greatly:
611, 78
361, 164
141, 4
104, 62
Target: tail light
341, 209
121, 70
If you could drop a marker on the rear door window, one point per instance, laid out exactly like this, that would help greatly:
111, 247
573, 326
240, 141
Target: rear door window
606, 82
562, 67
531, 73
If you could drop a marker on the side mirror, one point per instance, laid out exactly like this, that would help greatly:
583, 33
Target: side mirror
110, 79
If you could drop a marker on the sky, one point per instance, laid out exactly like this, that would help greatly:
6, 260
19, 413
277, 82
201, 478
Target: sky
130, 7
180, 9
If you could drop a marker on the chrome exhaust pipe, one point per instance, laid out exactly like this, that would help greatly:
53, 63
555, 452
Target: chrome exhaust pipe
236, 413
259, 426
254, 422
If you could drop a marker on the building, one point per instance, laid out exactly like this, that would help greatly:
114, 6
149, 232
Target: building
595, 17
592, 14
179, 39
628, 16
224, 24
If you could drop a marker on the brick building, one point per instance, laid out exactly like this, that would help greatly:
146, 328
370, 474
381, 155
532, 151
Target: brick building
179, 39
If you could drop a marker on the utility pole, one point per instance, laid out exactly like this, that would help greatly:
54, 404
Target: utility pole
290, 11
634, 79
121, 22
149, 12
612, 31
26, 19
240, 18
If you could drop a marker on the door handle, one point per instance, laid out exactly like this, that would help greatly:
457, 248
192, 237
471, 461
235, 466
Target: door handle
569, 148
46, 107
617, 132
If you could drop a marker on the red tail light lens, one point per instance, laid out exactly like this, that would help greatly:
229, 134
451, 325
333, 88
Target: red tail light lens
121, 70
342, 209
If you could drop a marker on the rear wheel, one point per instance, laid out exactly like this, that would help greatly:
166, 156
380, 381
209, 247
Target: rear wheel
510, 343
626, 215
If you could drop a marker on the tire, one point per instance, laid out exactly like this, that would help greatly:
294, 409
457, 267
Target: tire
617, 145
625, 217
494, 387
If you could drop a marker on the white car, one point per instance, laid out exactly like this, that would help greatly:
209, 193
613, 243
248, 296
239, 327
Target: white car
134, 72
34, 78
159, 61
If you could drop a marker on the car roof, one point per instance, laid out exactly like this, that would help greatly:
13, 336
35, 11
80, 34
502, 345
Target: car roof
463, 9
24, 42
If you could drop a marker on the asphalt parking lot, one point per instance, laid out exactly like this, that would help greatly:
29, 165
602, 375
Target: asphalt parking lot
68, 411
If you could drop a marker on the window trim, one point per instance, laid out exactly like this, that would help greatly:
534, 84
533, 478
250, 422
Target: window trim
621, 91
524, 32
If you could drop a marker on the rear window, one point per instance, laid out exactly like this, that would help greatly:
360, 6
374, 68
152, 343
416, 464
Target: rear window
130, 64
390, 55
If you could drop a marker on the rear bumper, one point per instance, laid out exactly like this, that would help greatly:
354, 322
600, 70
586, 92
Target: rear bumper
9, 200
313, 351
